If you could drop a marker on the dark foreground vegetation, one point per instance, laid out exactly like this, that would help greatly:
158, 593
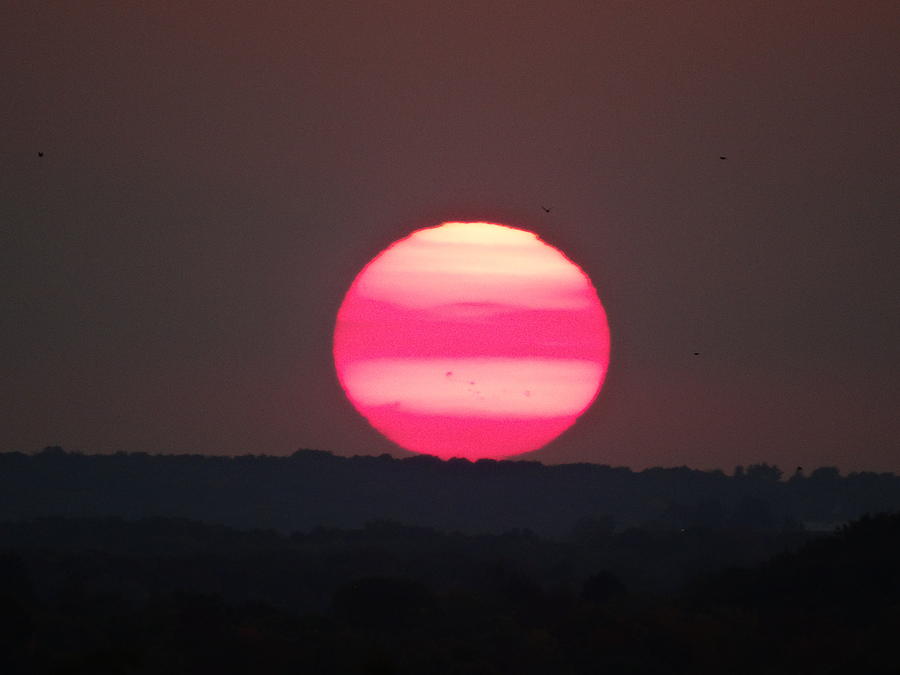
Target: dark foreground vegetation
317, 489
165, 595
313, 563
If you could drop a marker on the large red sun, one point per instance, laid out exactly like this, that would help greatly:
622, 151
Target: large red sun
471, 340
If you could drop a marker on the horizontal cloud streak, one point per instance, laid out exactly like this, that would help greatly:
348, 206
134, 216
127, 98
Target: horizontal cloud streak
485, 387
441, 266
368, 327
471, 339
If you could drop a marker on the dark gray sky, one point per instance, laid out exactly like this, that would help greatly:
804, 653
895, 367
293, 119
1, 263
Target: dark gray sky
215, 174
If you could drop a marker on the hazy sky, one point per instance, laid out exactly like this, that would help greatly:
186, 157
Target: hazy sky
215, 174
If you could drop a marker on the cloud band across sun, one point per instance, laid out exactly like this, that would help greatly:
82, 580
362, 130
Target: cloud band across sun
470, 326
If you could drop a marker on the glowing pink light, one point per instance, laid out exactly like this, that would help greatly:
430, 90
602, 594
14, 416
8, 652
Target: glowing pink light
471, 340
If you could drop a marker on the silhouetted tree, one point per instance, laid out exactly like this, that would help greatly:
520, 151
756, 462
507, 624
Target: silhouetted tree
764, 472
826, 474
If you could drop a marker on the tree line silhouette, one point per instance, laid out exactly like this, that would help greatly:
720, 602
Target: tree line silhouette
317, 489
314, 563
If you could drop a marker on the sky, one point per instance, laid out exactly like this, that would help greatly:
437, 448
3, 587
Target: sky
215, 174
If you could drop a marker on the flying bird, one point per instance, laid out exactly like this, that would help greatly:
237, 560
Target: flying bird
696, 353
722, 157
546, 210
40, 154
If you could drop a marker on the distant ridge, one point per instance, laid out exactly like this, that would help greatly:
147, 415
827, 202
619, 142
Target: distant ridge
314, 488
